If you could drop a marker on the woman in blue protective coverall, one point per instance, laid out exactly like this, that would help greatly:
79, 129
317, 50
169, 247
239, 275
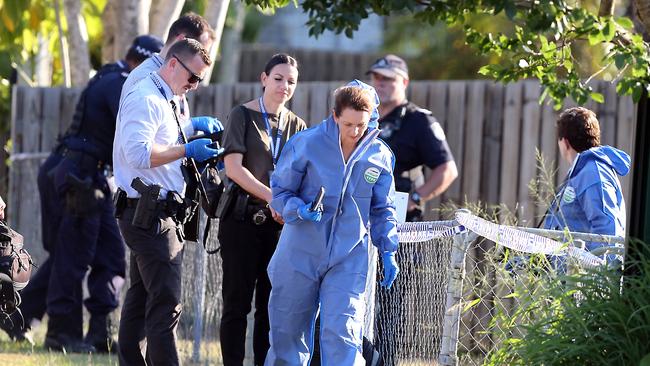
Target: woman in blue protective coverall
322, 257
590, 200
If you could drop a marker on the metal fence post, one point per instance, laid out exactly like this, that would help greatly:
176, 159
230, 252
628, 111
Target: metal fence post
199, 297
451, 327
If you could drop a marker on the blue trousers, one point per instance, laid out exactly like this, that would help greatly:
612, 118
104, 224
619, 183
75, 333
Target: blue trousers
74, 245
300, 281
82, 242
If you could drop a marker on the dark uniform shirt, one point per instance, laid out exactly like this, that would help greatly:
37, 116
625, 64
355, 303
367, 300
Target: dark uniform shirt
416, 138
253, 142
93, 127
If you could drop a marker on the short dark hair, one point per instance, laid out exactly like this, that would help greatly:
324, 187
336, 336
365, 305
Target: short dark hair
580, 127
352, 97
192, 26
279, 59
186, 49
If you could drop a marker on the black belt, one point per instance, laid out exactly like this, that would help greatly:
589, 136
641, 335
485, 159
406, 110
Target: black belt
162, 206
133, 202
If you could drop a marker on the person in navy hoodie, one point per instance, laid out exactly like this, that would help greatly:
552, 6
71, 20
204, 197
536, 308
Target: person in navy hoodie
590, 199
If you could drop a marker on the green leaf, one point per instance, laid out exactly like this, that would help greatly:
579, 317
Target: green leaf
471, 304
609, 30
637, 91
620, 60
595, 38
597, 97
625, 22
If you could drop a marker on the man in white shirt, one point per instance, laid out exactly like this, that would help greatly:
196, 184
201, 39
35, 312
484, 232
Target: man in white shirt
149, 145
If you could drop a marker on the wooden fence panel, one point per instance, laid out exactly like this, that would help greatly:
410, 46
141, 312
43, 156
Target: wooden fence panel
491, 148
510, 147
626, 139
607, 114
528, 143
455, 131
437, 104
473, 141
549, 153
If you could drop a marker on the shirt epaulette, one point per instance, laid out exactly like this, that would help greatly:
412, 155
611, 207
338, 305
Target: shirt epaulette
423, 110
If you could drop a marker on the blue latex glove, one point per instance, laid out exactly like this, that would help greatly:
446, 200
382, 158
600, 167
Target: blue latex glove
200, 150
390, 269
207, 124
374, 116
306, 214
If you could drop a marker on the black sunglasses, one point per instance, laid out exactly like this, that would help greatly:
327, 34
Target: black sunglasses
194, 78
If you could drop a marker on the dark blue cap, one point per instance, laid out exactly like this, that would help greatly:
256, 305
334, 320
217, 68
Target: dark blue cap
146, 45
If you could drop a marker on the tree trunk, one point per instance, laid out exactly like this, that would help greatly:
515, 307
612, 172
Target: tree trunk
163, 14
65, 60
215, 14
606, 8
78, 35
108, 40
643, 13
43, 62
132, 20
231, 47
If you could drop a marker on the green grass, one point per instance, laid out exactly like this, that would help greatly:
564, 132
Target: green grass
23, 354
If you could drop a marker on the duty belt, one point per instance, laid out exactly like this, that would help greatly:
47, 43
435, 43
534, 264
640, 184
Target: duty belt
162, 207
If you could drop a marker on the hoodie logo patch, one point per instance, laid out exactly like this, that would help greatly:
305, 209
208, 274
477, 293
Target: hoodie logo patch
569, 195
371, 175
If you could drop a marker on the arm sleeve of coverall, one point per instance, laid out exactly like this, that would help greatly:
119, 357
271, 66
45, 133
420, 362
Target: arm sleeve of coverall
286, 183
383, 222
599, 205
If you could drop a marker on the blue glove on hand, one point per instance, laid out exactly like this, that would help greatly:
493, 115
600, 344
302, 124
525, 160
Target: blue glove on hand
207, 124
390, 269
200, 150
306, 214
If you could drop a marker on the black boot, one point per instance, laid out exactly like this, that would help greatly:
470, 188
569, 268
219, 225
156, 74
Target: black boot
99, 334
63, 336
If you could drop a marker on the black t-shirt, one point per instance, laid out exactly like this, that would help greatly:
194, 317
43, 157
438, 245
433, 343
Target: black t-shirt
416, 138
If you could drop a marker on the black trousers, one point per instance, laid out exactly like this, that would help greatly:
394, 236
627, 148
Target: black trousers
246, 250
152, 307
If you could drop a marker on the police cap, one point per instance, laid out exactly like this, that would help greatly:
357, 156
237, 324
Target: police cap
146, 45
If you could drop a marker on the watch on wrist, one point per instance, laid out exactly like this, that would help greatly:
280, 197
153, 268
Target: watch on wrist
415, 197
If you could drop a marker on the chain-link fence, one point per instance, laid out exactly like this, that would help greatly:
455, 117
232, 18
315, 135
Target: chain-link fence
454, 302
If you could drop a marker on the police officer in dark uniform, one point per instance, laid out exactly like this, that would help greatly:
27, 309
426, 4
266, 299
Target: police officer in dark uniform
417, 139
414, 135
79, 228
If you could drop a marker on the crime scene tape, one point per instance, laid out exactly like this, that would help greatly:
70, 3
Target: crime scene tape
525, 242
414, 232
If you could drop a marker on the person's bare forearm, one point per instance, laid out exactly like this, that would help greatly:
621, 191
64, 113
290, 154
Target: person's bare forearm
244, 178
162, 154
438, 181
